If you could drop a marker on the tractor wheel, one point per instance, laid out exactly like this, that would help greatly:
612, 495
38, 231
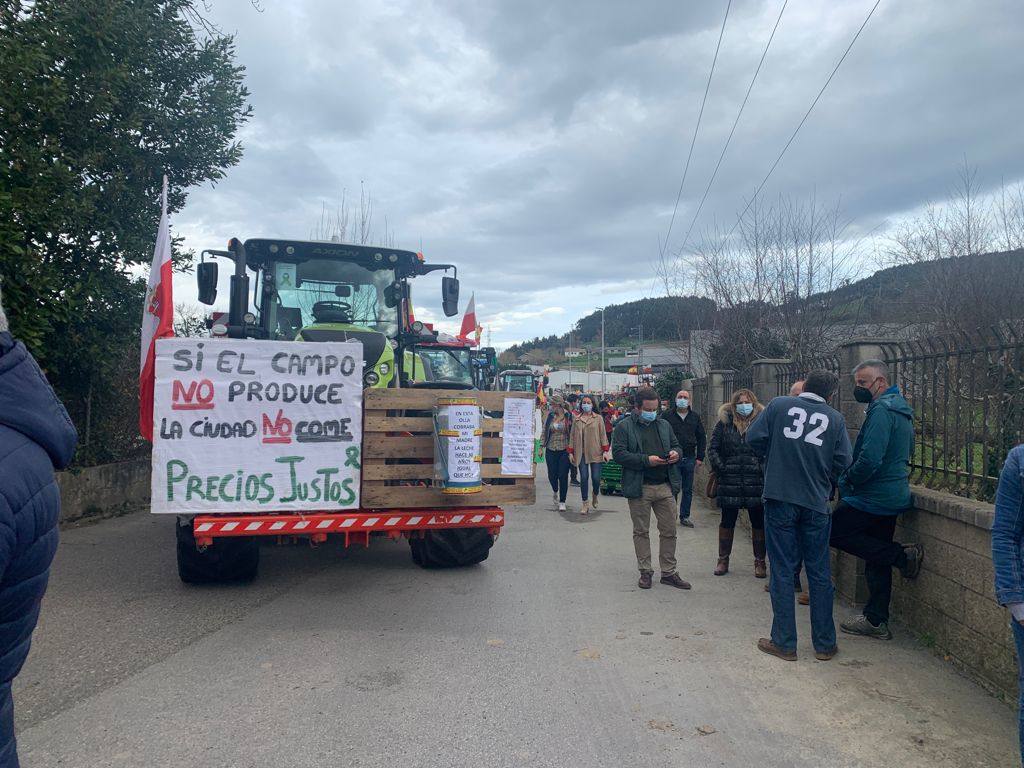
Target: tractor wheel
451, 548
229, 559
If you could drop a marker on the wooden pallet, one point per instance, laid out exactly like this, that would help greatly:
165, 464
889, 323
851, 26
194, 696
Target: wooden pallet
398, 452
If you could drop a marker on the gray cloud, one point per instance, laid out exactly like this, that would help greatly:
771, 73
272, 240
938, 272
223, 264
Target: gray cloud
540, 145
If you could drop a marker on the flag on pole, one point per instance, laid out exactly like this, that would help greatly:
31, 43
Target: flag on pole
157, 317
469, 320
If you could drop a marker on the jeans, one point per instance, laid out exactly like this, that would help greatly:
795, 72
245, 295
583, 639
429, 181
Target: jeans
1018, 636
590, 474
558, 472
793, 533
869, 537
658, 499
687, 465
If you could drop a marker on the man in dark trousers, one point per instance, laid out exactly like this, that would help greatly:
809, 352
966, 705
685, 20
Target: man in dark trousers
692, 441
646, 448
874, 491
805, 448
36, 436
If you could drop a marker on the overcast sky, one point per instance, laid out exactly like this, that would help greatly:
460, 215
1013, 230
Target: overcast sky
540, 144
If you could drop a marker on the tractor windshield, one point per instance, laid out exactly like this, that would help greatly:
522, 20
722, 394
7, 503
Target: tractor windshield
330, 291
518, 382
450, 365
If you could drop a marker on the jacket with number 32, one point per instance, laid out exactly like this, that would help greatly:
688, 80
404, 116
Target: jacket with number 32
805, 447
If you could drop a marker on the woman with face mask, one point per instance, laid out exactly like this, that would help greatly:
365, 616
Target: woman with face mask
555, 438
740, 478
588, 444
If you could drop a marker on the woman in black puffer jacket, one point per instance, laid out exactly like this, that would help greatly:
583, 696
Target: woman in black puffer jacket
740, 477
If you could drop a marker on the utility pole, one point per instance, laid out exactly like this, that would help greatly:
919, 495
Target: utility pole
604, 385
569, 360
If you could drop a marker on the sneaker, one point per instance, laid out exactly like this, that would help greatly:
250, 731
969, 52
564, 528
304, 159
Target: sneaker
645, 580
561, 507
859, 625
673, 580
767, 646
915, 556
686, 522
826, 655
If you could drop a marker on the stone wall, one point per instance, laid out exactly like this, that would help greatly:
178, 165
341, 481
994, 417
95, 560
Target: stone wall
104, 489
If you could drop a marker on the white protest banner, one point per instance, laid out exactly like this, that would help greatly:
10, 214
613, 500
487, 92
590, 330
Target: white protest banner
242, 425
517, 437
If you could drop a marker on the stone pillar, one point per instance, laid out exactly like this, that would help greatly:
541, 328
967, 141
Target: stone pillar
719, 390
765, 375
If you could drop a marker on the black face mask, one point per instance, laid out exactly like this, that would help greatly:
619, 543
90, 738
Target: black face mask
862, 395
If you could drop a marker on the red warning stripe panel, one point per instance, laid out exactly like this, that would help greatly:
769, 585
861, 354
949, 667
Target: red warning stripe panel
208, 527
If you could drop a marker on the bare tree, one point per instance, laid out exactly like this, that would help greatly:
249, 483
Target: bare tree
955, 295
343, 225
189, 321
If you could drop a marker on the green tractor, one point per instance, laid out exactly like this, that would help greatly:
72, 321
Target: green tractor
322, 291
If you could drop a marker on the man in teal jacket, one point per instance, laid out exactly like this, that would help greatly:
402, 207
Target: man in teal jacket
874, 491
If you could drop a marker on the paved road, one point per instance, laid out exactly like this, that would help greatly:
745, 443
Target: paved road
547, 655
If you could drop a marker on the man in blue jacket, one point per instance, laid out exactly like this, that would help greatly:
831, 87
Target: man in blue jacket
36, 436
874, 491
1007, 540
805, 448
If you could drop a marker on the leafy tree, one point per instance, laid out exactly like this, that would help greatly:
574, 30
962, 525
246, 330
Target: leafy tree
100, 99
668, 383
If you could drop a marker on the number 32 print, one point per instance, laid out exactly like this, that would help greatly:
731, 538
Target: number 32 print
800, 421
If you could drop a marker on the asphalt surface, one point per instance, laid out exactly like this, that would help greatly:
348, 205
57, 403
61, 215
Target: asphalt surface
545, 655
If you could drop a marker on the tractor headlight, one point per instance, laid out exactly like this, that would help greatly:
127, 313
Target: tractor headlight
249, 318
417, 327
384, 369
371, 379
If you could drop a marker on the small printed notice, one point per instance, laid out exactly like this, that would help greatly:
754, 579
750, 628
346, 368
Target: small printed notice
256, 426
517, 437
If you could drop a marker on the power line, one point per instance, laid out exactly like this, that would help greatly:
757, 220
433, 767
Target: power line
696, 128
735, 122
802, 121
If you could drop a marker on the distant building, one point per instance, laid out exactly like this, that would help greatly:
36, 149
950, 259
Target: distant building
657, 358
593, 382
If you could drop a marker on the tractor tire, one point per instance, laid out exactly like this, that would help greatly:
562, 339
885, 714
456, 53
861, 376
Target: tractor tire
227, 560
452, 548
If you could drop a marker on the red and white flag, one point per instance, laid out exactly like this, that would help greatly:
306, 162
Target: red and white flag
157, 317
469, 320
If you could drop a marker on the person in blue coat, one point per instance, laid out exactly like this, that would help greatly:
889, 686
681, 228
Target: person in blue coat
874, 491
1007, 540
36, 436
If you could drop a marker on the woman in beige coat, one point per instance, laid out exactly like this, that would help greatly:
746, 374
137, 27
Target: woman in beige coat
588, 445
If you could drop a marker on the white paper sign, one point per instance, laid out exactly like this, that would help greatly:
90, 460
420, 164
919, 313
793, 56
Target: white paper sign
517, 437
256, 426
463, 466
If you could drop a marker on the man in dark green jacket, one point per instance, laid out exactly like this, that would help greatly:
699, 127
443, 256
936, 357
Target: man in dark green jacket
648, 450
874, 491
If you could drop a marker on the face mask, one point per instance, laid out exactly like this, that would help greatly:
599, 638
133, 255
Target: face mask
745, 409
587, 407
862, 395
648, 415
682, 402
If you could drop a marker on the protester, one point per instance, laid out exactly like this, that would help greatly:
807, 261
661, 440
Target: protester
805, 447
689, 430
740, 478
874, 491
538, 430
647, 449
588, 443
1007, 543
556, 444
36, 437
609, 414
573, 404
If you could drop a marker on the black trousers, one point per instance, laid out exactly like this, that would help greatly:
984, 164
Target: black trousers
870, 537
756, 515
558, 472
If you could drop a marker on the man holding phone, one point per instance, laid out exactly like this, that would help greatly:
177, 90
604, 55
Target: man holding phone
648, 451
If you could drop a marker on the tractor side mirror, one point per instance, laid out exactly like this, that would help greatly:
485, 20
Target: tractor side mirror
206, 278
391, 295
450, 296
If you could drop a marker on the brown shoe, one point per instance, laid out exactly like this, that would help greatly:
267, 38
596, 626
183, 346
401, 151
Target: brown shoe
767, 646
826, 655
645, 580
803, 598
723, 566
673, 580
760, 571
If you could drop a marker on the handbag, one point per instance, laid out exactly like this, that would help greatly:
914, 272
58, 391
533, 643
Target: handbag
712, 489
